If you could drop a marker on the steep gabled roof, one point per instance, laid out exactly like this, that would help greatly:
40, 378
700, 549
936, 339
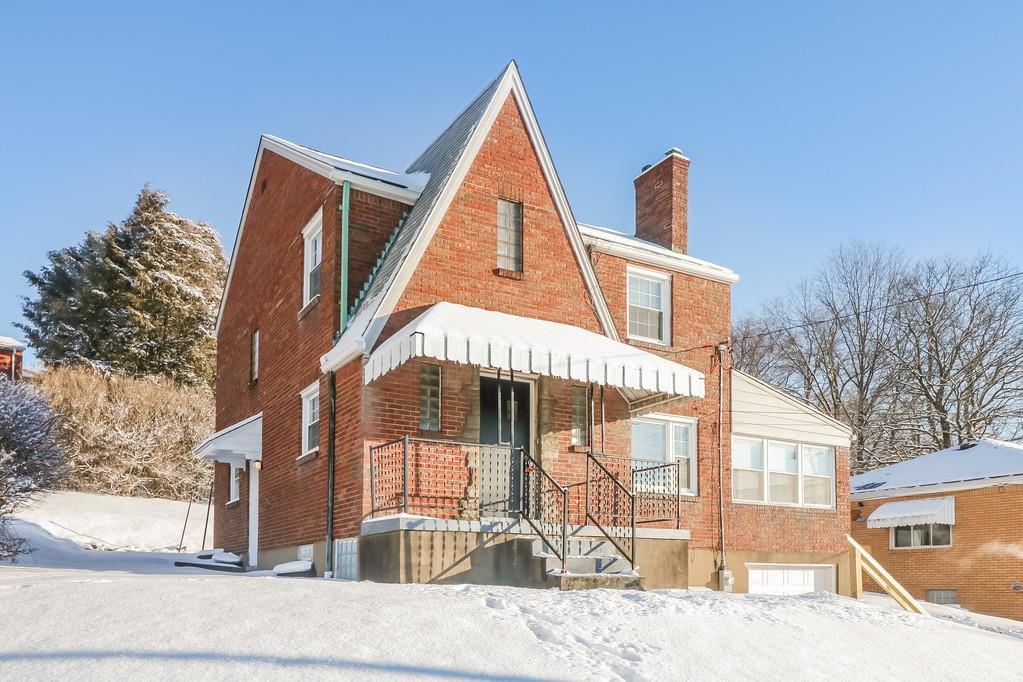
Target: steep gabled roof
979, 464
447, 160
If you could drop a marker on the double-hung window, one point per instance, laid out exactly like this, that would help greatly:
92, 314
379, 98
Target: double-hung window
922, 535
779, 472
649, 305
509, 235
236, 484
429, 397
312, 237
663, 439
580, 417
310, 419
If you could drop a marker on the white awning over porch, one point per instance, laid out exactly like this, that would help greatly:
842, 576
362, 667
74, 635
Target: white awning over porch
236, 444
912, 512
484, 338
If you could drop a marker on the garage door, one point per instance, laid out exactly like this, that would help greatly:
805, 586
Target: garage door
791, 578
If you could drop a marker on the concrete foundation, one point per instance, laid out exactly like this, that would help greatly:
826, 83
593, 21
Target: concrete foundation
703, 565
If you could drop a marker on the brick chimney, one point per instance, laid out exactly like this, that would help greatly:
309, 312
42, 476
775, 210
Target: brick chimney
662, 202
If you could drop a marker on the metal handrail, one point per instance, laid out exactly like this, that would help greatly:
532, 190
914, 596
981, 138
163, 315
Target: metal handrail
630, 553
561, 548
653, 497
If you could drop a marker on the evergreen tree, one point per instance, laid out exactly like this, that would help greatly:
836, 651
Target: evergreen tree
139, 298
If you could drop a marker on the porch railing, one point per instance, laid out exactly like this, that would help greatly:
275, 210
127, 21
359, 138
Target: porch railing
460, 480
545, 507
658, 486
611, 507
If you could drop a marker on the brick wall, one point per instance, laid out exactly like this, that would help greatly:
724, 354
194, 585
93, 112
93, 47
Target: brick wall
459, 263
983, 563
6, 360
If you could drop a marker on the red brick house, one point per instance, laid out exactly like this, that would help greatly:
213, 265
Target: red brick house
439, 375
946, 525
12, 356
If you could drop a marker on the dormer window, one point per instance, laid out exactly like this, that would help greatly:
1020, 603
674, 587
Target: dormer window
509, 235
313, 238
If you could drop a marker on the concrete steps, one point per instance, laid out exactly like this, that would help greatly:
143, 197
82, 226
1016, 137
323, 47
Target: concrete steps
591, 563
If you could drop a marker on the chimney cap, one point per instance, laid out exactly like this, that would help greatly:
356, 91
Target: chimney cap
674, 151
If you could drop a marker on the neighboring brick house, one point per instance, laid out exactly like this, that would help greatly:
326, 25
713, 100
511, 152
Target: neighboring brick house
439, 375
12, 356
947, 525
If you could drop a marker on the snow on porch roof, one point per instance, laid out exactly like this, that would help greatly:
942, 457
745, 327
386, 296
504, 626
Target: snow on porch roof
909, 512
235, 444
484, 338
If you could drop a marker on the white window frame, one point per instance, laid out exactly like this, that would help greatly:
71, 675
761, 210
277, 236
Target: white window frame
662, 278
671, 420
519, 265
254, 355
310, 392
891, 537
235, 484
766, 470
312, 230
579, 432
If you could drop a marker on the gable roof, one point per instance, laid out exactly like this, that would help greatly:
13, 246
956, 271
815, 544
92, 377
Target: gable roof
404, 187
447, 160
980, 464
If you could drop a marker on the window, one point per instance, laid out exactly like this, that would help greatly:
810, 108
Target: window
580, 417
922, 535
665, 438
509, 235
236, 484
254, 357
311, 419
649, 305
777, 472
429, 398
943, 596
313, 237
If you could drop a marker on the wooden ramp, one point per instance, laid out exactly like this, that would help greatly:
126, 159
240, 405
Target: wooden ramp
863, 562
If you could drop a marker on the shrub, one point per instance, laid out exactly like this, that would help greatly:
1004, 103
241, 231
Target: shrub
30, 456
131, 436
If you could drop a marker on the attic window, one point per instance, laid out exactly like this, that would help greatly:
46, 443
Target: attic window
312, 236
509, 235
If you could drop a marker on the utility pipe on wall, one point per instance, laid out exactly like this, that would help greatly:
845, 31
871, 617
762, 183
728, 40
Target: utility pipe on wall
724, 575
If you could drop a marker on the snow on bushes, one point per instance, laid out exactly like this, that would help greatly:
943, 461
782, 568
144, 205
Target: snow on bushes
131, 436
30, 456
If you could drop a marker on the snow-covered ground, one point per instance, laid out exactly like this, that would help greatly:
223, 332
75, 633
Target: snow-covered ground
88, 614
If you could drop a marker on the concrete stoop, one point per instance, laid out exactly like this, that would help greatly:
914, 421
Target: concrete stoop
603, 581
590, 564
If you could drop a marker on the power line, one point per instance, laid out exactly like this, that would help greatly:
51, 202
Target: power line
880, 308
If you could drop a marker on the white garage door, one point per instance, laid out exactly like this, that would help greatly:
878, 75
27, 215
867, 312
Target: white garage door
790, 578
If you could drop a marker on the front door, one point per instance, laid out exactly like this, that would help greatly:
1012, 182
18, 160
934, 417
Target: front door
500, 466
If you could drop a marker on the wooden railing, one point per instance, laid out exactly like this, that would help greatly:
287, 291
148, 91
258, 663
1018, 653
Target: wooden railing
863, 562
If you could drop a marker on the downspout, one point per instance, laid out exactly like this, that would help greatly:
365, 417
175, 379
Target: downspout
724, 575
346, 191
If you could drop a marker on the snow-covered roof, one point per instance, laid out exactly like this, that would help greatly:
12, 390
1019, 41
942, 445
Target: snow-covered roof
981, 463
410, 181
486, 338
8, 343
236, 443
910, 512
633, 248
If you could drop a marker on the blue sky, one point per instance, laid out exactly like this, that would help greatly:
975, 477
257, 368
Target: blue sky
807, 124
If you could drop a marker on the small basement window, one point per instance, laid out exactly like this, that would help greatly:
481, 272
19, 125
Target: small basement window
649, 305
943, 596
310, 419
509, 235
429, 397
312, 236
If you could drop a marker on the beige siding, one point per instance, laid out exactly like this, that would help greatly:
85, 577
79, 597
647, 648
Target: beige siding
761, 410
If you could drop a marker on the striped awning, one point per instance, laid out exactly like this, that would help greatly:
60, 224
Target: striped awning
485, 338
914, 512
